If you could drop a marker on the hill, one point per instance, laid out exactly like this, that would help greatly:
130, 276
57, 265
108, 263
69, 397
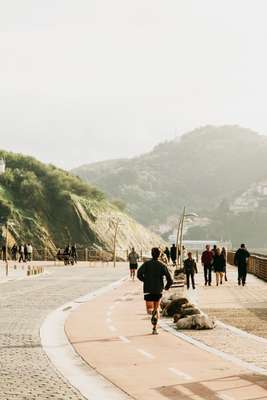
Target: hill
50, 207
198, 170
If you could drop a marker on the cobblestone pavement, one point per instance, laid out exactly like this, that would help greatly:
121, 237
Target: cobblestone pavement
25, 371
242, 307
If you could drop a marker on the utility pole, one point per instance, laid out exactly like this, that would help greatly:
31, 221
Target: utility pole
116, 223
6, 245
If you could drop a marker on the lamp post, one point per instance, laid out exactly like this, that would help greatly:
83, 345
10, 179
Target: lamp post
180, 231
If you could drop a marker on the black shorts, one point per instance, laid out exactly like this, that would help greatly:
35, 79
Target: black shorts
133, 266
152, 297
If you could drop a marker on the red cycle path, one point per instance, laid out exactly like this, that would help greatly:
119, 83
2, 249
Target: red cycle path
112, 333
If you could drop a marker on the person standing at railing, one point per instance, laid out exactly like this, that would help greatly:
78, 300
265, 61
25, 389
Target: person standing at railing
241, 261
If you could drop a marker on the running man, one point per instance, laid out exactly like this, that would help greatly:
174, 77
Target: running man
133, 258
152, 274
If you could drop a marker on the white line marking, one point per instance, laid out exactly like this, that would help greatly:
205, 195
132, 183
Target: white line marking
240, 332
224, 396
65, 359
180, 374
112, 328
124, 339
212, 350
146, 354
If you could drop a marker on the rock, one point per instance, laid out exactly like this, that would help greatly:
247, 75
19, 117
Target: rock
165, 301
176, 317
174, 307
198, 322
190, 311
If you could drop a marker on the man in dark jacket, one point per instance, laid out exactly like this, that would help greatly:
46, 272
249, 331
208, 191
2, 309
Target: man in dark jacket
206, 259
152, 274
190, 269
173, 254
241, 261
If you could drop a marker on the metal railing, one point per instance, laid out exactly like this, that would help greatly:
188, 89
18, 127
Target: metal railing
83, 254
257, 264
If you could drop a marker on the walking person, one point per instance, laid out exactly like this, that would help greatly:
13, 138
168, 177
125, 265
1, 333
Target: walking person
173, 254
167, 253
241, 261
4, 253
21, 253
133, 258
73, 253
14, 252
206, 260
152, 274
225, 257
29, 252
219, 264
25, 253
190, 269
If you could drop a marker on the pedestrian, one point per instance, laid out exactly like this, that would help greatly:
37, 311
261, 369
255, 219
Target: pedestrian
66, 254
219, 266
163, 258
224, 253
133, 258
214, 249
29, 252
152, 274
73, 253
21, 253
14, 252
25, 253
173, 254
241, 261
206, 260
190, 269
4, 253
167, 253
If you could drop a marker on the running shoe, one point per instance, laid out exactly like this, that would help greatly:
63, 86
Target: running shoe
154, 318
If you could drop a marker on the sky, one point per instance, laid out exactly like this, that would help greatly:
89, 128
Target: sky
88, 80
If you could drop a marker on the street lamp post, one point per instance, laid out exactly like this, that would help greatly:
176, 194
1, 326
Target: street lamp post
6, 245
180, 232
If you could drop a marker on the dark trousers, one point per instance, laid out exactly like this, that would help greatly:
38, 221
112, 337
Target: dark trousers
207, 273
188, 274
242, 273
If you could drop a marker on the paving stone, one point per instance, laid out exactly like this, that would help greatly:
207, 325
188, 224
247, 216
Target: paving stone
25, 371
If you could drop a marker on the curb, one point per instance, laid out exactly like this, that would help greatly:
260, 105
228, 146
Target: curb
64, 358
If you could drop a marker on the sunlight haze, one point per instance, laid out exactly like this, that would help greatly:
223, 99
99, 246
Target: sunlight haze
97, 79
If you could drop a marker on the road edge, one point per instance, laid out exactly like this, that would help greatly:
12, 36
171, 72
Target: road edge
66, 360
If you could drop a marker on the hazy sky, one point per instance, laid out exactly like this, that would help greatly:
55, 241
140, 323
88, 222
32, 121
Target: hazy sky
87, 80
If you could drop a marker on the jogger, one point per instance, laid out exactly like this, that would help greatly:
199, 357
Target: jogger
152, 274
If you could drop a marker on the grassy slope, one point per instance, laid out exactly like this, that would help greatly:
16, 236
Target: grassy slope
51, 207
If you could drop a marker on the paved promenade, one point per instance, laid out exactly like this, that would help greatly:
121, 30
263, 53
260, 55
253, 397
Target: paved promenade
25, 371
112, 333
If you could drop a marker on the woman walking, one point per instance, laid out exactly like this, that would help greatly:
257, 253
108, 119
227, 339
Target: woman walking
219, 265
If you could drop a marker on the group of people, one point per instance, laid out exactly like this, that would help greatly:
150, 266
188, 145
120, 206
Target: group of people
153, 272
20, 253
68, 255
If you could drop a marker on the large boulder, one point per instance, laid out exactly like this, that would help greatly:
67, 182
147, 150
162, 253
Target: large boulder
174, 307
200, 321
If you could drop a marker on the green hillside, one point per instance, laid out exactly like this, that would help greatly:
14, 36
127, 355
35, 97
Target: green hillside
198, 170
51, 207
